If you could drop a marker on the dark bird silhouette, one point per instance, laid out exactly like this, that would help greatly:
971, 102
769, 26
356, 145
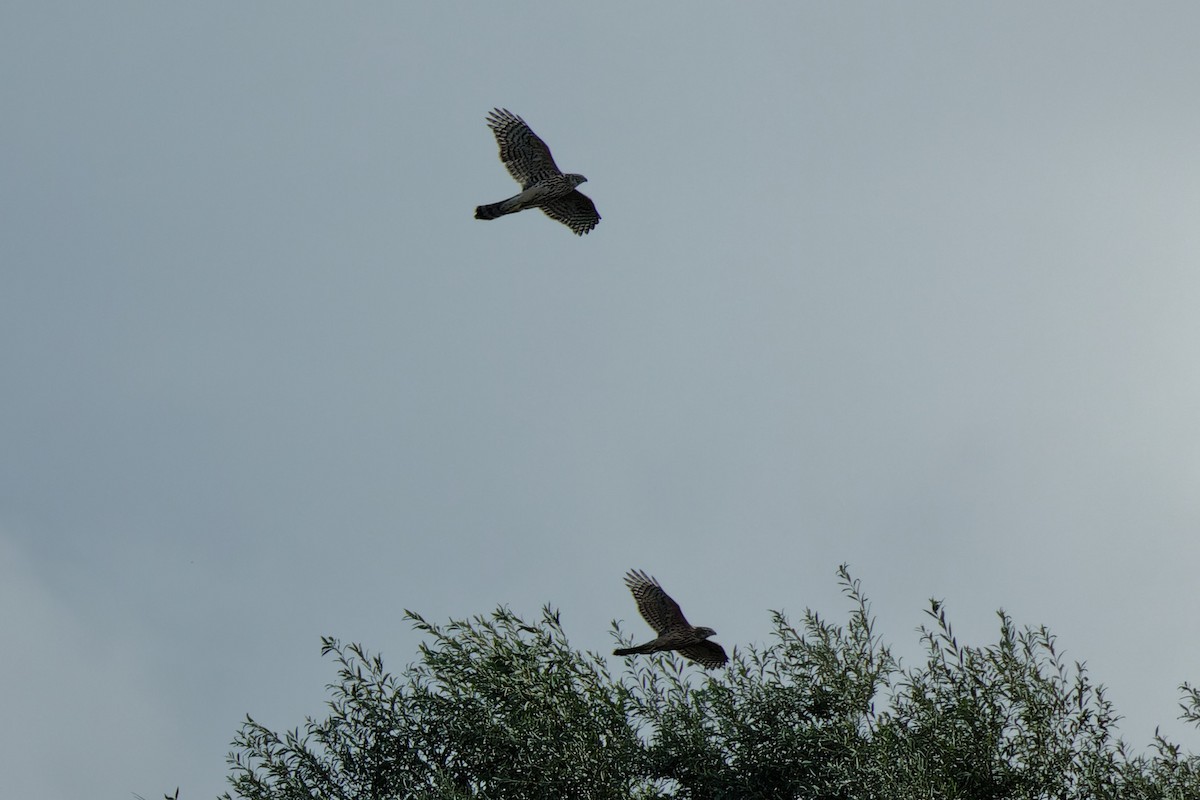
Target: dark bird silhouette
543, 184
674, 633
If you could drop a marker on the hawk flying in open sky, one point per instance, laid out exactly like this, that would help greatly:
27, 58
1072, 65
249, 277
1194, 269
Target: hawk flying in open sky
674, 632
542, 184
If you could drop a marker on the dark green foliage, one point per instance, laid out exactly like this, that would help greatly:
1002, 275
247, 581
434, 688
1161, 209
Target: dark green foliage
496, 708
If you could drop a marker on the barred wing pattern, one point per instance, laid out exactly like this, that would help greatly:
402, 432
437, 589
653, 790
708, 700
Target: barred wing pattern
576, 211
656, 606
707, 654
524, 153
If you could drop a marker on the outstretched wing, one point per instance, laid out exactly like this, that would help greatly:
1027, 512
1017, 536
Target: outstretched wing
527, 157
706, 654
575, 210
655, 605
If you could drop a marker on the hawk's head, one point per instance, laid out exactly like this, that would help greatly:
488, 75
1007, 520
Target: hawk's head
575, 178
704, 632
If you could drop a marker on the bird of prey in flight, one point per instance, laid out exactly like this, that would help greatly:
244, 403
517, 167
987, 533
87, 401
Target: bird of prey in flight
543, 185
674, 632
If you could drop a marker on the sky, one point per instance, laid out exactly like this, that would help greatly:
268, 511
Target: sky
907, 286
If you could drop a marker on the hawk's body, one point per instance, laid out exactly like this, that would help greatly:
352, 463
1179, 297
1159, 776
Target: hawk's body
674, 633
543, 185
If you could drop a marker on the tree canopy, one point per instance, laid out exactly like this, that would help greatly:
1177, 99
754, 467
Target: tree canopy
496, 707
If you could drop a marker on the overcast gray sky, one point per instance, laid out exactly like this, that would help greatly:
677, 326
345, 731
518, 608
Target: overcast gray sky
911, 286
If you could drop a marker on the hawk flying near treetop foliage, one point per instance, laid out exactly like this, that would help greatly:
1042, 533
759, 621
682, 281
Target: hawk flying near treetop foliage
674, 632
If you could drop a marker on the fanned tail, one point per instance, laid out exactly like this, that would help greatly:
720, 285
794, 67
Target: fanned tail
490, 211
